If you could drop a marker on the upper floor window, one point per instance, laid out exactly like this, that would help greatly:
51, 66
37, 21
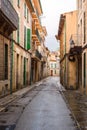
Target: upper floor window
18, 3
55, 65
84, 27
18, 31
25, 37
25, 10
51, 65
27, 15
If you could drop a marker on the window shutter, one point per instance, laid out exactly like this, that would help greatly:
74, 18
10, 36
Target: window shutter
18, 32
28, 39
24, 37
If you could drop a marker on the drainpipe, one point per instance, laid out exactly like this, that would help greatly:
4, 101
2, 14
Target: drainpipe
11, 65
65, 53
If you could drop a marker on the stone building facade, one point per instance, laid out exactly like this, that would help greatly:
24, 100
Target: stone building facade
54, 64
21, 57
8, 24
67, 34
82, 40
22, 39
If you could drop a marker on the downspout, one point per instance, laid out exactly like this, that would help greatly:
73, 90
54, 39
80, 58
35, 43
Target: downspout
65, 53
11, 65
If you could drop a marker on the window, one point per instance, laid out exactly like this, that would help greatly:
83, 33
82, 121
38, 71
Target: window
18, 3
28, 39
51, 65
24, 10
81, 31
18, 39
6, 61
84, 27
27, 15
55, 65
24, 74
24, 37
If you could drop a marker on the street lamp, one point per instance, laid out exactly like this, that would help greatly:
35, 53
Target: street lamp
72, 44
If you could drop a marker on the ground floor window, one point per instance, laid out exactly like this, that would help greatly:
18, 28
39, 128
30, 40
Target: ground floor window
6, 61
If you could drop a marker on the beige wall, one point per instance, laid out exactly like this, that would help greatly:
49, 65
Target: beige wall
71, 27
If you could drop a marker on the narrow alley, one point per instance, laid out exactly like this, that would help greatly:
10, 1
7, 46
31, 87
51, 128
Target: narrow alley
47, 109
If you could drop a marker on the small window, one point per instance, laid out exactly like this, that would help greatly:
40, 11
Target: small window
18, 3
24, 10
27, 15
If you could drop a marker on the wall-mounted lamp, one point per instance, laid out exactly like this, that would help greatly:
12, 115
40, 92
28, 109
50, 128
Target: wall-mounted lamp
72, 44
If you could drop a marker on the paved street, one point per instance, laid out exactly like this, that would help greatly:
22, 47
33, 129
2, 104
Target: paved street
46, 110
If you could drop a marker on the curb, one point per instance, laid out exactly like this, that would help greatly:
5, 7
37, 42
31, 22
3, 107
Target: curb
18, 94
78, 125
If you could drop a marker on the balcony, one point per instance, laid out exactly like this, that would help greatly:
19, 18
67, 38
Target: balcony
36, 36
35, 16
8, 16
36, 55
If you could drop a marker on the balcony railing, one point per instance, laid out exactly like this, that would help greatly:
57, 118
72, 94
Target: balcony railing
8, 13
38, 54
38, 35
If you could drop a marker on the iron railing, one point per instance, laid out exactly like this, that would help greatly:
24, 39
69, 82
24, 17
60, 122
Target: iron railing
38, 54
38, 35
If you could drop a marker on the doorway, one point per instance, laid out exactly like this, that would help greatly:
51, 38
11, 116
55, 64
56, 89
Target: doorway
51, 72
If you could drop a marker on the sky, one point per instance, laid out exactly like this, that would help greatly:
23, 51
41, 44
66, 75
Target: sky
50, 18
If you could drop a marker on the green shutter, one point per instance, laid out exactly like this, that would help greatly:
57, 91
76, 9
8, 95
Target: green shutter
24, 37
28, 39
